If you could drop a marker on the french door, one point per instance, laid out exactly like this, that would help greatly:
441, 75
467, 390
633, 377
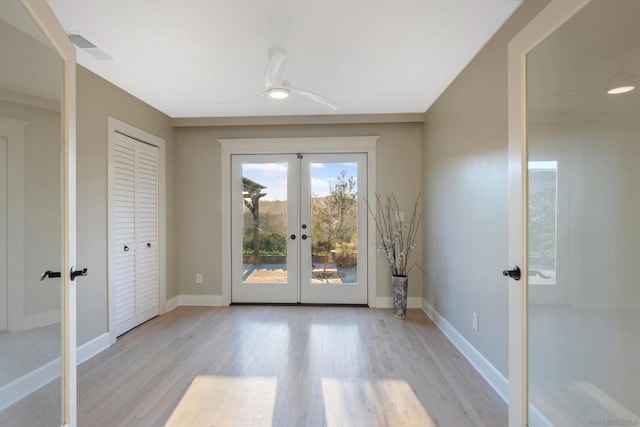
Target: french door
574, 153
38, 245
299, 231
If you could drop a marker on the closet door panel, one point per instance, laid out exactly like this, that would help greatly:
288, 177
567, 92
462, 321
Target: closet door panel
124, 199
147, 282
147, 232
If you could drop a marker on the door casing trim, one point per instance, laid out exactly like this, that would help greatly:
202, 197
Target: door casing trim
311, 145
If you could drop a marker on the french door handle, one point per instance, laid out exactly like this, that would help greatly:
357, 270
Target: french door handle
49, 274
512, 273
304, 237
75, 273
292, 237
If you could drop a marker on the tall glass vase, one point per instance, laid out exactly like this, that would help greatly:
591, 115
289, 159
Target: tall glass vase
400, 285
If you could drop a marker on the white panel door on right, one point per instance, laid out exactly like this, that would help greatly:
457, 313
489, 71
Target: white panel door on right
147, 290
333, 229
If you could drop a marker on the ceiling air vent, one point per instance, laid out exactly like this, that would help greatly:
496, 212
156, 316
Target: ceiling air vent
81, 42
89, 47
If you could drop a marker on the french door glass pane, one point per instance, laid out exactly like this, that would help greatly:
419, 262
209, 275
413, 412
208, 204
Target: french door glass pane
584, 233
334, 222
264, 223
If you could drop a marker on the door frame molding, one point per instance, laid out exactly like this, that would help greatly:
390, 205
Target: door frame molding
114, 125
556, 13
309, 145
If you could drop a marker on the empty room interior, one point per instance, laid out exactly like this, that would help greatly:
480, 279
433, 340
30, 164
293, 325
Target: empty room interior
296, 213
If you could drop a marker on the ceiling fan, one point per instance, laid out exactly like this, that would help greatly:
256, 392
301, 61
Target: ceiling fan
277, 88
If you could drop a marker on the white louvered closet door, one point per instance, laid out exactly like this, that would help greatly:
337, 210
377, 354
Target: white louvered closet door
123, 166
134, 168
147, 232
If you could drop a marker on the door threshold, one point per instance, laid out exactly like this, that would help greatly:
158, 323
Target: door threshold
301, 304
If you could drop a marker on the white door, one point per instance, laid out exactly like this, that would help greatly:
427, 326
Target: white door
574, 153
37, 141
334, 216
298, 221
147, 290
134, 230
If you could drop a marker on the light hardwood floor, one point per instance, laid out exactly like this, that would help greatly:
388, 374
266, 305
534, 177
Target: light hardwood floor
282, 366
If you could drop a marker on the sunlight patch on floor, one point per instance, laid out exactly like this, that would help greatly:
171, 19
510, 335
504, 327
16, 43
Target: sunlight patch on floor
372, 403
226, 401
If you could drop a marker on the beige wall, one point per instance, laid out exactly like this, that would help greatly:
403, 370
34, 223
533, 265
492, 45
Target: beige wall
198, 170
98, 99
465, 185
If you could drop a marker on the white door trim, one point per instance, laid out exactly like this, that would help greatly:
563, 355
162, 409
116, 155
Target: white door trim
312, 145
548, 20
114, 125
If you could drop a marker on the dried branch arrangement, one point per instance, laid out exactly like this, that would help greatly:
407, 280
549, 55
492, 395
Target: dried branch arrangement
397, 237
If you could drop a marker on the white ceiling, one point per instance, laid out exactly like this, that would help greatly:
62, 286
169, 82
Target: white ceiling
188, 58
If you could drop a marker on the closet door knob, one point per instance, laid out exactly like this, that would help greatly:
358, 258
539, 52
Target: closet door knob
148, 245
126, 248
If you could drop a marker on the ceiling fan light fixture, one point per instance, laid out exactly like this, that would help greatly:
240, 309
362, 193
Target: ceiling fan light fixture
620, 89
621, 82
278, 92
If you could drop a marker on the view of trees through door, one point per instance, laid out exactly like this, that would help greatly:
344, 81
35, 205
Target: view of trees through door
333, 230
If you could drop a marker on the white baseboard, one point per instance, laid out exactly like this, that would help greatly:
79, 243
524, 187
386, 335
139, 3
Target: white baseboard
200, 300
21, 387
42, 319
495, 379
171, 304
25, 385
94, 347
489, 372
387, 302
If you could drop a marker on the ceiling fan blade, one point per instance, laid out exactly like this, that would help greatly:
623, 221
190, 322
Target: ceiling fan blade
317, 98
274, 73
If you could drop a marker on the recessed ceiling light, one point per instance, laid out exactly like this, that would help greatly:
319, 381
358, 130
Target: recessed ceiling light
278, 92
620, 89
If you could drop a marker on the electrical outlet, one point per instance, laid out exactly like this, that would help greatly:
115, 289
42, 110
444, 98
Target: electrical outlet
199, 278
476, 322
